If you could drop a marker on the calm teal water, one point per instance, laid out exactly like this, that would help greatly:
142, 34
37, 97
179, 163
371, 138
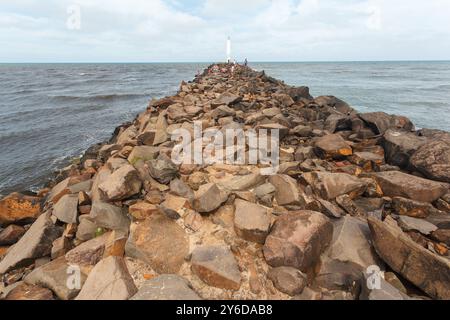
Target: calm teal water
52, 112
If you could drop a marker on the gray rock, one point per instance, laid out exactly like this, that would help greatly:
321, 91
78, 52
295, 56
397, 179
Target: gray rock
163, 171
66, 210
108, 216
399, 146
166, 287
122, 184
382, 291
399, 184
423, 226
109, 280
208, 198
36, 243
216, 266
55, 276
351, 242
86, 229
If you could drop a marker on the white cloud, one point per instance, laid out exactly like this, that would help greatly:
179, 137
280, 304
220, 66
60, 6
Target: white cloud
157, 30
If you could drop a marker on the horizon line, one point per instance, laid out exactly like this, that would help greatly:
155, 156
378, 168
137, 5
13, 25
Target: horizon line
212, 62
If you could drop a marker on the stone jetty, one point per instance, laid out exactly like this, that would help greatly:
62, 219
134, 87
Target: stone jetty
358, 208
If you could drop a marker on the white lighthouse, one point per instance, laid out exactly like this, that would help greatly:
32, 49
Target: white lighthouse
229, 50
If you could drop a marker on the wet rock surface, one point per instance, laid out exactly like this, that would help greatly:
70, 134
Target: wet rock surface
352, 191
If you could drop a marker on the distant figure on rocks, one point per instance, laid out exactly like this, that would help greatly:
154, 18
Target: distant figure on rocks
245, 62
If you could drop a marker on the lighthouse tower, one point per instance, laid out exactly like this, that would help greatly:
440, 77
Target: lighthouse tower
229, 50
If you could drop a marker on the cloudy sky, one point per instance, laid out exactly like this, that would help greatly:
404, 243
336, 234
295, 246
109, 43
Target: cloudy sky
189, 30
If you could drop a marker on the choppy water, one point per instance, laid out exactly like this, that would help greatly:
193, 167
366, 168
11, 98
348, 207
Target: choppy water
50, 113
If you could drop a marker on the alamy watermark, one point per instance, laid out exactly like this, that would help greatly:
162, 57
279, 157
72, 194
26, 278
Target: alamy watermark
374, 277
230, 146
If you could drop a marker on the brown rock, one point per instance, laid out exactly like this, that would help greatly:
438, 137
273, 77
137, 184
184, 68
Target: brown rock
11, 235
216, 266
297, 239
380, 122
332, 146
29, 292
17, 207
287, 191
331, 185
398, 184
288, 280
142, 210
88, 253
208, 198
251, 221
433, 160
412, 208
399, 146
122, 184
420, 266
160, 242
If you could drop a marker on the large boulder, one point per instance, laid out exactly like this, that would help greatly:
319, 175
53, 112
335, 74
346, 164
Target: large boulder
380, 122
66, 210
335, 104
298, 93
208, 198
351, 242
331, 185
109, 280
160, 242
166, 287
433, 160
297, 239
399, 146
122, 184
55, 276
412, 208
286, 190
19, 208
36, 243
143, 153
162, 170
216, 266
420, 266
251, 221
108, 216
399, 184
332, 146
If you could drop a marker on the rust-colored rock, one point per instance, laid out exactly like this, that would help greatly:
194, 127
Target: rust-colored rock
17, 207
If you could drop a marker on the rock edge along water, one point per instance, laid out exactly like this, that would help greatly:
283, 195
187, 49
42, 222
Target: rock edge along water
343, 180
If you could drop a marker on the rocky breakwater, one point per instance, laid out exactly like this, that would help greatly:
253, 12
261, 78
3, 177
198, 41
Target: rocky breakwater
359, 207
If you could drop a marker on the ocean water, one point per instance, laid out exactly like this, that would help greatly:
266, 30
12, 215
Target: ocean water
50, 113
